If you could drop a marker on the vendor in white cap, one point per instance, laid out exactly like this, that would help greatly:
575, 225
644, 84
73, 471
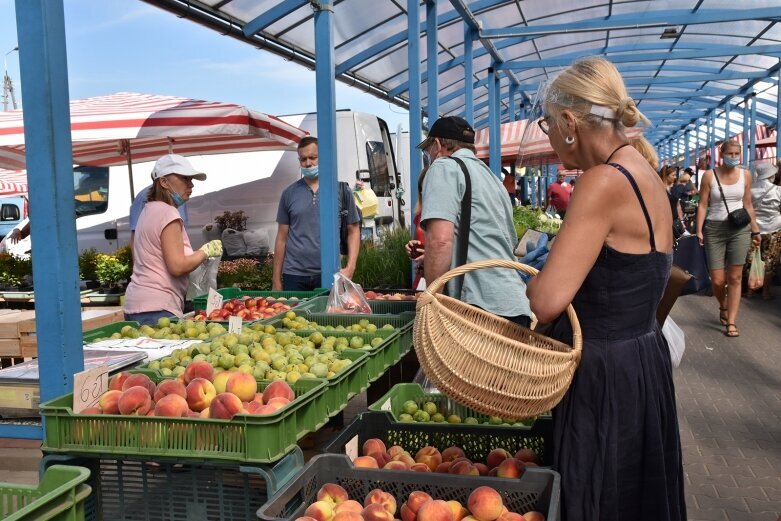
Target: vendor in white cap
162, 255
766, 198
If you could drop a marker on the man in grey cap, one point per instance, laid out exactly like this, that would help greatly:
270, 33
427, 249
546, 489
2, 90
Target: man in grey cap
491, 231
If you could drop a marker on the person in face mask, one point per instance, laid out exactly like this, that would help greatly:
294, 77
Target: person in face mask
724, 190
162, 255
297, 246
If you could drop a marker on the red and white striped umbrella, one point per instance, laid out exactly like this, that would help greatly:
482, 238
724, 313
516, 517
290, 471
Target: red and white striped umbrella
13, 182
105, 129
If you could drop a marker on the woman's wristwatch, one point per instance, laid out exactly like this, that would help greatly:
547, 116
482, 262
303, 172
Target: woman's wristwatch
754, 234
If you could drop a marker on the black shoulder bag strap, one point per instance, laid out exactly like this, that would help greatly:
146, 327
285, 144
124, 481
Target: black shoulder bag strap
465, 223
721, 190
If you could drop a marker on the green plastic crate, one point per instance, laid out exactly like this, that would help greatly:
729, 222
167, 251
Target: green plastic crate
58, 497
400, 393
245, 438
199, 302
106, 331
379, 307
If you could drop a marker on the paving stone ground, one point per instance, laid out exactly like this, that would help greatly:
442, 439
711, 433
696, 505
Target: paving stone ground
729, 410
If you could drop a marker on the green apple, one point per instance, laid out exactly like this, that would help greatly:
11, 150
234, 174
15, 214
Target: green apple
409, 407
438, 418
421, 416
431, 408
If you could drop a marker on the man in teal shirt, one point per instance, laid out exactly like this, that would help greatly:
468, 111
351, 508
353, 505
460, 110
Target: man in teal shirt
492, 234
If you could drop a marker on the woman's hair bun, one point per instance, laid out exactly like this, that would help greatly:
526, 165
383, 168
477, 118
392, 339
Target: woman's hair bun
627, 112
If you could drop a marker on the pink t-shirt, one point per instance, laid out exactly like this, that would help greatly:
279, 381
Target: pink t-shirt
152, 287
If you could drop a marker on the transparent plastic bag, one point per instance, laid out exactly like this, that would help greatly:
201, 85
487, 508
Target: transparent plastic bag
347, 297
202, 278
676, 340
756, 274
422, 380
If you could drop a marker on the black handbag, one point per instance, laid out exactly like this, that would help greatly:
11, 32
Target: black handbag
737, 218
689, 255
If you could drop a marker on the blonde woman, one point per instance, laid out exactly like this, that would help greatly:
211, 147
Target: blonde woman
616, 439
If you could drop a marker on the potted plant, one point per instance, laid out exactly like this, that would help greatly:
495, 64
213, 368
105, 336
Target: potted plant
245, 273
110, 271
233, 220
88, 263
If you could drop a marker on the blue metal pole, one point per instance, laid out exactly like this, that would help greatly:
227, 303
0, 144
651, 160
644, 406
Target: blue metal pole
745, 127
494, 137
778, 115
326, 136
669, 152
749, 161
687, 149
712, 142
696, 146
727, 109
522, 111
415, 112
511, 102
469, 75
432, 68
44, 72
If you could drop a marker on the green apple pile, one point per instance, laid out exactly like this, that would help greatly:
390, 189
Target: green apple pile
293, 321
168, 330
412, 411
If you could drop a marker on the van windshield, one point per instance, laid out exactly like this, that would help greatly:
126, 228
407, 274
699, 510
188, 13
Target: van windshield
378, 168
90, 186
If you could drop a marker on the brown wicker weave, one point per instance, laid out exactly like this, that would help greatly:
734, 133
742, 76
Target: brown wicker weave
486, 362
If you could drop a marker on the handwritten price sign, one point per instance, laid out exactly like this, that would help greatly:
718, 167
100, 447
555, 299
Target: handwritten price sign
88, 387
213, 301
234, 325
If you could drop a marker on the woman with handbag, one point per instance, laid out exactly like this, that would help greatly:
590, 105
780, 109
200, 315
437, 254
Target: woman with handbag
766, 198
726, 226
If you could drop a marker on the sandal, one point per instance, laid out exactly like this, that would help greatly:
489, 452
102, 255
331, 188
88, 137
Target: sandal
723, 316
732, 331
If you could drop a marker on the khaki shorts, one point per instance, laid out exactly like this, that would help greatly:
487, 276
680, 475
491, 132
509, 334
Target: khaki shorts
725, 245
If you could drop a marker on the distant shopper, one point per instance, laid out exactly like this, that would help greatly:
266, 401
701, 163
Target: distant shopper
491, 231
297, 247
509, 184
724, 190
559, 194
766, 198
162, 256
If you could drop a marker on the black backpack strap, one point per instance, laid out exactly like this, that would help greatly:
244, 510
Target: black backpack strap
462, 243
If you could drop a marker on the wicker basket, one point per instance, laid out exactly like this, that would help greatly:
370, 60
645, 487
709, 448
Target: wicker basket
486, 362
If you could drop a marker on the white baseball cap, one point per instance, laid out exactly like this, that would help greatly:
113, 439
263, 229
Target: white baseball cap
175, 164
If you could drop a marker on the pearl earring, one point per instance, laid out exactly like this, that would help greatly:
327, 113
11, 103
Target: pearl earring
569, 140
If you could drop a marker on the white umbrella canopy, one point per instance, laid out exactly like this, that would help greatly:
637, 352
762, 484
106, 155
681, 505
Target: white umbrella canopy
12, 182
115, 129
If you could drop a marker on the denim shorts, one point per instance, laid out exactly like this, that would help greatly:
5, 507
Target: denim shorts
725, 245
148, 318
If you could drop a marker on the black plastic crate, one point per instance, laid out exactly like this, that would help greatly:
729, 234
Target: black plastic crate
476, 440
538, 489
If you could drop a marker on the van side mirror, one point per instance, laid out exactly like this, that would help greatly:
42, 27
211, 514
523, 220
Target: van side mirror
363, 175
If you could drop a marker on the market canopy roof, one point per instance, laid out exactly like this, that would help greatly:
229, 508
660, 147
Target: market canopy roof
682, 59
13, 182
105, 129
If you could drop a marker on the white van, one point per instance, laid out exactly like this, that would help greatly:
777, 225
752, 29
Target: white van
252, 182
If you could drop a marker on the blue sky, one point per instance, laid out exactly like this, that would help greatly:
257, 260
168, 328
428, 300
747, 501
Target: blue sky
128, 45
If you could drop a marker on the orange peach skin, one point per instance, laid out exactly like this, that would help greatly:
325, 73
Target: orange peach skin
135, 401
380, 497
167, 387
171, 406
435, 510
278, 388
200, 393
224, 406
109, 402
198, 369
242, 385
139, 379
333, 493
485, 503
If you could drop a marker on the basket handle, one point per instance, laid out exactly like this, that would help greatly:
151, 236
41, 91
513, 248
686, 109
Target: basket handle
577, 337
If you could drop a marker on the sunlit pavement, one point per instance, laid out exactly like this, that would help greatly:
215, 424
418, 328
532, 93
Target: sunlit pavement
729, 409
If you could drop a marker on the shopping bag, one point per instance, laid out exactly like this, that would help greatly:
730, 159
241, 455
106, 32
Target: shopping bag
347, 297
756, 274
202, 278
689, 255
676, 340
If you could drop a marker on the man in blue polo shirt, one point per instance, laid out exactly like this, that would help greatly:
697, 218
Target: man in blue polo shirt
297, 248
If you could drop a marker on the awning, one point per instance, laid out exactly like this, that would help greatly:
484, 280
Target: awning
13, 182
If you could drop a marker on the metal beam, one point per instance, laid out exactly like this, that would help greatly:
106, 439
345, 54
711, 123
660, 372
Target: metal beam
468, 90
272, 15
753, 134
415, 108
432, 79
494, 131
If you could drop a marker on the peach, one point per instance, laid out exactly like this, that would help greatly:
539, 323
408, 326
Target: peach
333, 493
135, 401
495, 457
464, 467
200, 393
460, 459
258, 397
459, 510
407, 514
204, 413
193, 414
167, 387
116, 382
393, 451
511, 516
151, 412
220, 380
366, 462
492, 472
373, 445
405, 458
348, 516
435, 510
533, 516
416, 500
198, 369
349, 505
320, 510
382, 458
92, 410
305, 518
278, 388
420, 467
376, 513
242, 385
254, 407
481, 468
172, 406
278, 402
380, 497
396, 465
139, 379
429, 456
485, 503
224, 406
510, 468
530, 464
452, 453
526, 455
109, 402
266, 409
443, 467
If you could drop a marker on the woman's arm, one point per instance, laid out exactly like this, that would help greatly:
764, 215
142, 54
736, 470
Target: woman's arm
176, 261
702, 208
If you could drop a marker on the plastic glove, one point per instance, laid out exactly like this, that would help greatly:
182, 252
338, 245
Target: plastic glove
212, 248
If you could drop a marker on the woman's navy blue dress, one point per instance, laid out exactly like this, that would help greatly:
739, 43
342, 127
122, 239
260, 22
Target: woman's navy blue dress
616, 439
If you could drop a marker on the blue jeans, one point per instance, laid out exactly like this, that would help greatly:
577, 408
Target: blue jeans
148, 318
300, 282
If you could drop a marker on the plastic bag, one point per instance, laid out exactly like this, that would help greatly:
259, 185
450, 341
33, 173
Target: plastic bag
233, 242
256, 242
423, 380
202, 278
347, 297
756, 275
676, 340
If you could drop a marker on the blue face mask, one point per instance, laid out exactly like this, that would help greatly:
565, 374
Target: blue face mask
310, 173
177, 199
731, 161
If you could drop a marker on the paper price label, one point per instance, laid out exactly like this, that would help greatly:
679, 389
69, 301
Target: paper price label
213, 301
88, 387
386, 406
351, 448
234, 325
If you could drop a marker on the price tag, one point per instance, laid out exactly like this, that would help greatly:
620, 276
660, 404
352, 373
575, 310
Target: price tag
351, 448
88, 387
234, 325
213, 301
386, 406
